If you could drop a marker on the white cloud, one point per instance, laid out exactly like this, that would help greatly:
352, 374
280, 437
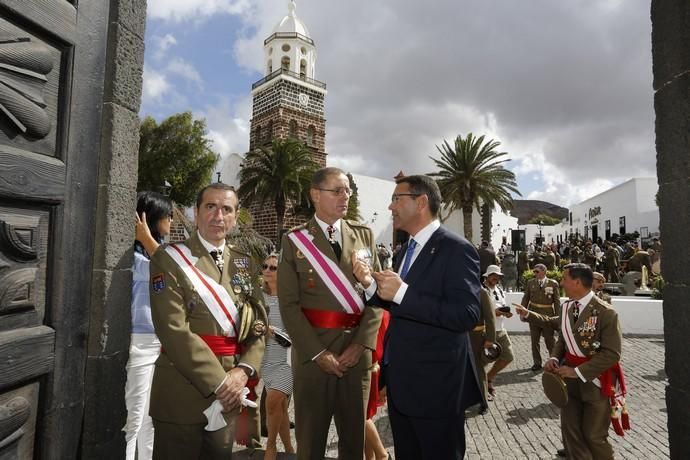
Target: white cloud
194, 10
228, 125
162, 45
155, 86
180, 67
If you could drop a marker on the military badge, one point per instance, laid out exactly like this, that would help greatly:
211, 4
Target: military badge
158, 282
310, 283
548, 290
299, 254
242, 263
258, 328
242, 282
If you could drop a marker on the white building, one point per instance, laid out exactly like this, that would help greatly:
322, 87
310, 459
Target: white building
626, 208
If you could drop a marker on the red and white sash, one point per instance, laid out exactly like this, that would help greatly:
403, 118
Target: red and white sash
215, 297
569, 336
329, 272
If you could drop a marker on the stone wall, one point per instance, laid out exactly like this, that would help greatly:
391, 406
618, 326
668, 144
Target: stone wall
110, 321
671, 65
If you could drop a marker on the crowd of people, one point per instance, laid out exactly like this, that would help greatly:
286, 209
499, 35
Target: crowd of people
340, 326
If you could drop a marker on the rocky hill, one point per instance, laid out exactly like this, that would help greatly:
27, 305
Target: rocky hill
525, 210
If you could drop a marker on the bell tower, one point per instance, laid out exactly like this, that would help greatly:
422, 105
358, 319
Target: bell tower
288, 102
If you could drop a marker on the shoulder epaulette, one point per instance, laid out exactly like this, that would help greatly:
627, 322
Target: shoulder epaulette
298, 227
235, 248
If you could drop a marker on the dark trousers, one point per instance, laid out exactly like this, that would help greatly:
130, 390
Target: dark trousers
427, 438
192, 442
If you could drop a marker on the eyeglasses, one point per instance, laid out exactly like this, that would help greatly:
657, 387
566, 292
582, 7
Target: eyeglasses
340, 191
269, 267
396, 196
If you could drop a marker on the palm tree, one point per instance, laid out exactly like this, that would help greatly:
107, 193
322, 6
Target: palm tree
279, 174
471, 173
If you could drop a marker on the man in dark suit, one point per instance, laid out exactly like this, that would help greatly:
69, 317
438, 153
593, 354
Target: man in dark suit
433, 297
487, 256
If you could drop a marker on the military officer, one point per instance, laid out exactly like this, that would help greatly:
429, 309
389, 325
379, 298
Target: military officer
598, 281
587, 357
211, 325
542, 295
483, 336
522, 266
612, 262
323, 307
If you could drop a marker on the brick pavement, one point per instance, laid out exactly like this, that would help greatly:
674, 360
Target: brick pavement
522, 424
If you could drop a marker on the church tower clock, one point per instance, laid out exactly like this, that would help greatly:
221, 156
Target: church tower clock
287, 102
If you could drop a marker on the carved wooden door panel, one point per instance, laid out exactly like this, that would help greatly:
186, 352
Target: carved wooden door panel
40, 166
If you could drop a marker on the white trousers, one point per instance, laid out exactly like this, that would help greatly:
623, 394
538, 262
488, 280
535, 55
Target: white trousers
143, 352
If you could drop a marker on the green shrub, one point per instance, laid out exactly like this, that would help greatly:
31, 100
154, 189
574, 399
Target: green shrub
658, 288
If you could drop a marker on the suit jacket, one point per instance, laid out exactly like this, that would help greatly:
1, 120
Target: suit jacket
431, 371
187, 372
300, 287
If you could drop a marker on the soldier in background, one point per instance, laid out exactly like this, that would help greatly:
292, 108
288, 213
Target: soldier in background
612, 263
598, 287
542, 295
522, 266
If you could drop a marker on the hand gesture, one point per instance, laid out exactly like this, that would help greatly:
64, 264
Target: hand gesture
551, 365
329, 364
142, 233
230, 392
388, 282
361, 270
522, 311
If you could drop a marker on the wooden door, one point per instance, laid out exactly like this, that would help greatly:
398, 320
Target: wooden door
52, 55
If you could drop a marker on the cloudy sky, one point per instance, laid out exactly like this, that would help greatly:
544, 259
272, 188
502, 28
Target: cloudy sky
565, 86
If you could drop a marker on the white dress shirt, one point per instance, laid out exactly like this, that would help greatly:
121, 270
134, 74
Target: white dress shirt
421, 238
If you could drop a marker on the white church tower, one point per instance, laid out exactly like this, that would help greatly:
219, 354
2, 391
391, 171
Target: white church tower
288, 102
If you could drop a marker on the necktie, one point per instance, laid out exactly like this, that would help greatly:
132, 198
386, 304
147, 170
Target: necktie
576, 311
218, 259
334, 244
408, 258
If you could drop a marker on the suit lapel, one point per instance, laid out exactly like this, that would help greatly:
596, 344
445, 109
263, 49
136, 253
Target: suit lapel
425, 257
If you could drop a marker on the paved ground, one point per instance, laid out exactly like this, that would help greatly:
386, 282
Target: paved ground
522, 424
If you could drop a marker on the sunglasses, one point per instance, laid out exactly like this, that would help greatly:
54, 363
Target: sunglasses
269, 267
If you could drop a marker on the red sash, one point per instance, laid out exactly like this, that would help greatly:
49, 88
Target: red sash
327, 319
612, 386
221, 345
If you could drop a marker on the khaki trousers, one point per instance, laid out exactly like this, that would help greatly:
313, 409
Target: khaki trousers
192, 442
536, 332
585, 422
477, 341
320, 397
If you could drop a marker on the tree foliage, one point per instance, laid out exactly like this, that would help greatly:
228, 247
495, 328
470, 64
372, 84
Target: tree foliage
470, 173
279, 174
545, 220
176, 151
353, 205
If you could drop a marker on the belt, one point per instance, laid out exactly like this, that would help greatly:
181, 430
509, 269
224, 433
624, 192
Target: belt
479, 328
220, 345
541, 305
327, 319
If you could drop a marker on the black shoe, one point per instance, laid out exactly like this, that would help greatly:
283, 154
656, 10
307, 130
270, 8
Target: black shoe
264, 432
561, 453
483, 410
292, 425
536, 367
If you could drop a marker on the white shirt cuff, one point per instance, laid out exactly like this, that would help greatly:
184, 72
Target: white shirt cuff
247, 366
398, 297
371, 290
318, 354
577, 371
221, 384
554, 358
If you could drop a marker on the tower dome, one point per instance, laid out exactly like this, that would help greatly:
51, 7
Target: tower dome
289, 48
291, 23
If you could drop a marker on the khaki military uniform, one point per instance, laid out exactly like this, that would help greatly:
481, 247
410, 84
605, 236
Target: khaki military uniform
522, 266
590, 259
187, 372
549, 259
320, 396
576, 255
638, 260
585, 419
543, 299
612, 257
484, 330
